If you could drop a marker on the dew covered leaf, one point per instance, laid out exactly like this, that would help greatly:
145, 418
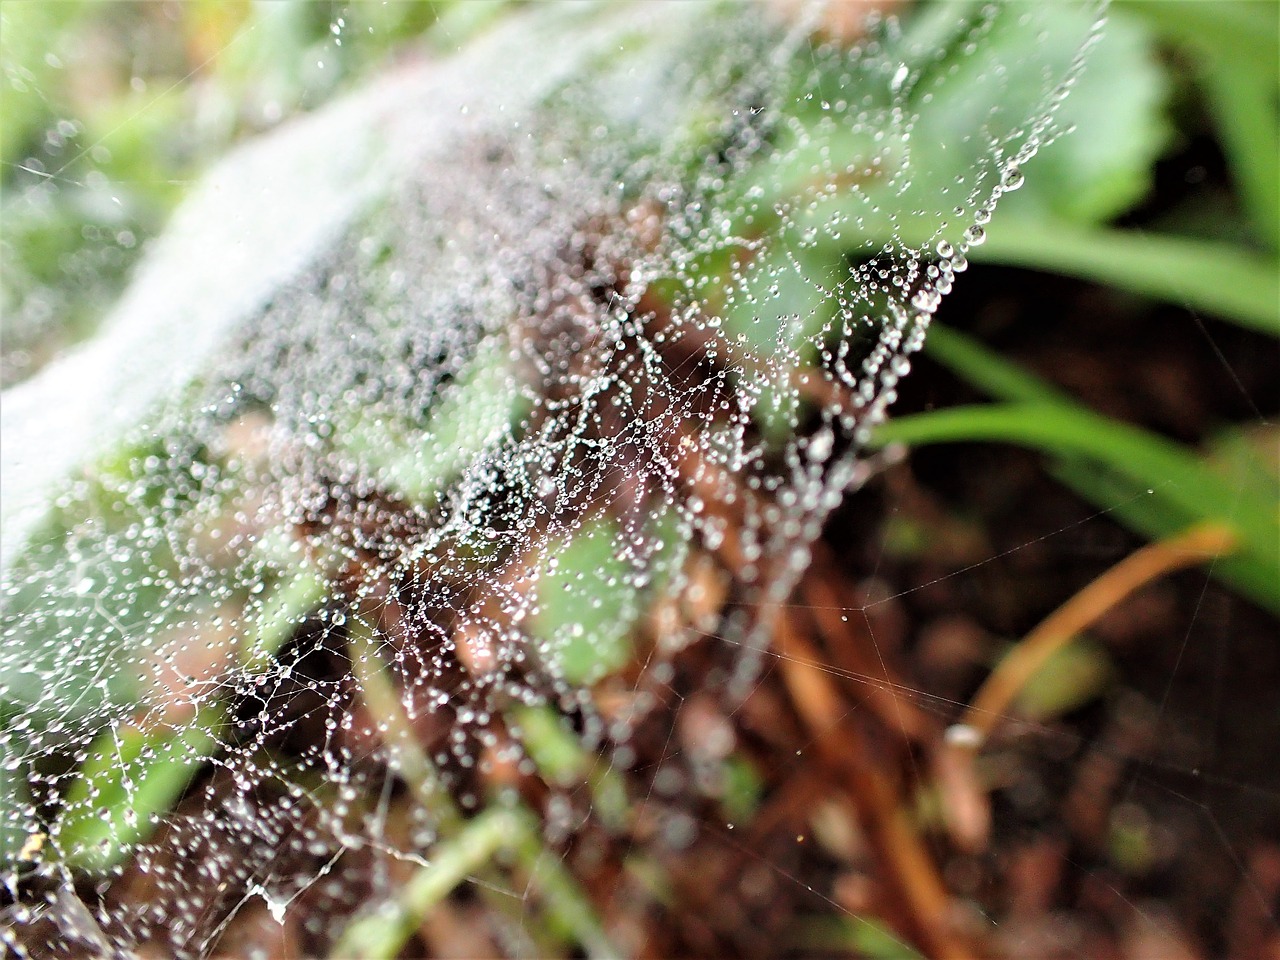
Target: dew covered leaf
132, 776
1116, 114
587, 604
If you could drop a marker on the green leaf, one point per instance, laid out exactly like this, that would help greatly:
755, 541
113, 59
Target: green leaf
588, 604
1249, 124
866, 937
1116, 114
1074, 675
743, 788
1245, 29
132, 776
109, 601
416, 461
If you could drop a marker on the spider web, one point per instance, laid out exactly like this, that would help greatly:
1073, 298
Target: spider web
445, 425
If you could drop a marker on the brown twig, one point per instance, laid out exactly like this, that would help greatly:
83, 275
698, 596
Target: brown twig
882, 812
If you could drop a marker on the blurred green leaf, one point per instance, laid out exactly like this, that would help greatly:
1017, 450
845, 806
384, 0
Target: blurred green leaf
866, 938
587, 604
417, 461
32, 35
743, 788
1075, 674
1116, 114
132, 776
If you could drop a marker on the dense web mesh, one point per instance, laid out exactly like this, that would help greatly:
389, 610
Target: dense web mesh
522, 374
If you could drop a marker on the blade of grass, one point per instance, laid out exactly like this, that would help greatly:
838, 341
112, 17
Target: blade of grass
298, 593
987, 370
562, 895
1151, 516
1137, 501
563, 761
1179, 476
1225, 280
382, 933
1245, 107
383, 702
1235, 45
864, 937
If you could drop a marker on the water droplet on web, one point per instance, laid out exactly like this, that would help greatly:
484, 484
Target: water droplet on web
899, 77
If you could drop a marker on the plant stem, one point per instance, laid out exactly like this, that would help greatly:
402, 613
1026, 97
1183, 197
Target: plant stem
383, 702
382, 933
992, 702
471, 845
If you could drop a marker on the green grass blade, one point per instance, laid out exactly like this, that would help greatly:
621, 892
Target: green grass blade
1239, 61
988, 371
1217, 278
1245, 107
382, 933
565, 900
1177, 476
1153, 517
564, 762
1138, 503
859, 935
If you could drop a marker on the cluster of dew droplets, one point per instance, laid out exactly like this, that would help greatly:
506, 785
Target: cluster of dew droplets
450, 472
